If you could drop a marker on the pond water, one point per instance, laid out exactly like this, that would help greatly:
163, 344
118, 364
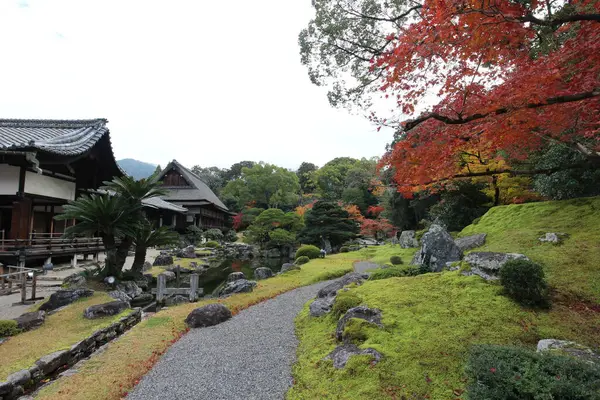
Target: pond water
214, 276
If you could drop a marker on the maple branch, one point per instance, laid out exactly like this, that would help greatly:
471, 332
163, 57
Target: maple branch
560, 20
370, 17
411, 124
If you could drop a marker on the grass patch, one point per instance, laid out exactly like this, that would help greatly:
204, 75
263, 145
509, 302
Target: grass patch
111, 374
432, 320
60, 331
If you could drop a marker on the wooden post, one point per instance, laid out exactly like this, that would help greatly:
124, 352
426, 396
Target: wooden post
74, 261
177, 273
23, 286
95, 258
194, 287
2, 280
161, 285
33, 285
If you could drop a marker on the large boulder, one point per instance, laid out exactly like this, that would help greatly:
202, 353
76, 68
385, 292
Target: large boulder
31, 320
408, 240
235, 276
106, 309
289, 267
437, 249
64, 297
262, 273
208, 315
341, 354
239, 286
187, 252
567, 348
488, 264
130, 288
74, 281
371, 315
471, 242
163, 259
142, 300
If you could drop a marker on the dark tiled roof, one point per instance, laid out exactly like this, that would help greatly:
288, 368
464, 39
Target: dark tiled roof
62, 137
198, 190
157, 202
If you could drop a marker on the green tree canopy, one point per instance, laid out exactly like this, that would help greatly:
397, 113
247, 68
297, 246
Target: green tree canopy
328, 221
274, 227
305, 177
212, 176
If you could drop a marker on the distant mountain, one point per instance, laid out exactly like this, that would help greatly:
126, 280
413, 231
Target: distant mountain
137, 169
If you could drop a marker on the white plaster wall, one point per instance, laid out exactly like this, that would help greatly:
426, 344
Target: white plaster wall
49, 186
9, 179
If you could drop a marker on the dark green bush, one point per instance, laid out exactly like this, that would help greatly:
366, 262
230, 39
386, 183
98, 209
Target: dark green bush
212, 244
231, 236
213, 234
524, 282
8, 327
343, 302
512, 373
309, 251
193, 234
301, 260
396, 260
395, 271
344, 249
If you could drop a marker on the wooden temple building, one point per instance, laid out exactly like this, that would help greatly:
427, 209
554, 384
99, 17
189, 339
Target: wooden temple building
186, 189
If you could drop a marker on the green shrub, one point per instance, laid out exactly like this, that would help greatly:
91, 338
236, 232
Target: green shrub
524, 282
8, 327
395, 271
301, 260
193, 234
344, 249
396, 260
212, 244
231, 236
343, 302
214, 234
309, 251
500, 372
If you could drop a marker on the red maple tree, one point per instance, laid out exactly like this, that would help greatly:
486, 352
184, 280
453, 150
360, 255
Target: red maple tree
511, 77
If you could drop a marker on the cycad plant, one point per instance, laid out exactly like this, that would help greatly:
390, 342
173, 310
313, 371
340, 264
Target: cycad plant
146, 236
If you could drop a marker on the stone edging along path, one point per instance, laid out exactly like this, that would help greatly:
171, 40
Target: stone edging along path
51, 365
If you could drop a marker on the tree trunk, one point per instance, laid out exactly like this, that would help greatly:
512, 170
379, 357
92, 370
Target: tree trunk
139, 259
496, 190
121, 255
110, 264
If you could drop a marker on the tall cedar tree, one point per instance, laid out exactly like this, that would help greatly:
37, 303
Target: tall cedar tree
327, 220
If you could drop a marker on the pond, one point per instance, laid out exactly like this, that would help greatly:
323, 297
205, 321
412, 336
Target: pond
217, 274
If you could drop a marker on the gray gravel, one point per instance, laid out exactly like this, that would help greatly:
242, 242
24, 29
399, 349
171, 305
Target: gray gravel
364, 266
248, 357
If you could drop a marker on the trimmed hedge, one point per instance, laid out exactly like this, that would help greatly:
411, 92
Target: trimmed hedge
524, 281
503, 373
301, 260
344, 249
212, 244
396, 260
8, 327
309, 251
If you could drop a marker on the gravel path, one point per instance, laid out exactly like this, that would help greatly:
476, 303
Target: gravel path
363, 266
248, 357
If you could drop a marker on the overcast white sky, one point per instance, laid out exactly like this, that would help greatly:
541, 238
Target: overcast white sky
205, 82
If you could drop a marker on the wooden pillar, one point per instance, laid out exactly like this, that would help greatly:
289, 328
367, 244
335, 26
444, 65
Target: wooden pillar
74, 261
23, 286
51, 221
2, 280
194, 287
20, 220
33, 285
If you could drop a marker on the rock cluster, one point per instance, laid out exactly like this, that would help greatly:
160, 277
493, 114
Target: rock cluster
326, 296
437, 249
163, 259
568, 348
488, 264
262, 273
64, 297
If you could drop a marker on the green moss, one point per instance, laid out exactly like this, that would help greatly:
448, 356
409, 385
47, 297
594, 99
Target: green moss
8, 327
395, 271
357, 330
344, 301
432, 320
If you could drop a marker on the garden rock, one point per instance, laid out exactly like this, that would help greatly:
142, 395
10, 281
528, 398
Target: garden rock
30, 320
273, 253
371, 315
175, 300
331, 289
19, 378
147, 266
170, 275
6, 388
163, 259
106, 309
262, 273
130, 288
75, 281
568, 348
235, 276
51, 362
471, 242
554, 238
437, 248
320, 307
239, 286
488, 264
142, 300
289, 267
209, 315
187, 252
342, 353
64, 297
408, 240
118, 295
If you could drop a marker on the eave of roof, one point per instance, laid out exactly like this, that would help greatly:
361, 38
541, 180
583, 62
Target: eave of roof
157, 202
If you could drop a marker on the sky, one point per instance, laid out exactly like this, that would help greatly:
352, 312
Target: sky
206, 83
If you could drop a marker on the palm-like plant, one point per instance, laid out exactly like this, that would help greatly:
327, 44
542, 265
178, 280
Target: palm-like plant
146, 237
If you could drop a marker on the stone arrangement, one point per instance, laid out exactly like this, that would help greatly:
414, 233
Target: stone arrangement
51, 365
208, 315
64, 297
488, 264
326, 296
